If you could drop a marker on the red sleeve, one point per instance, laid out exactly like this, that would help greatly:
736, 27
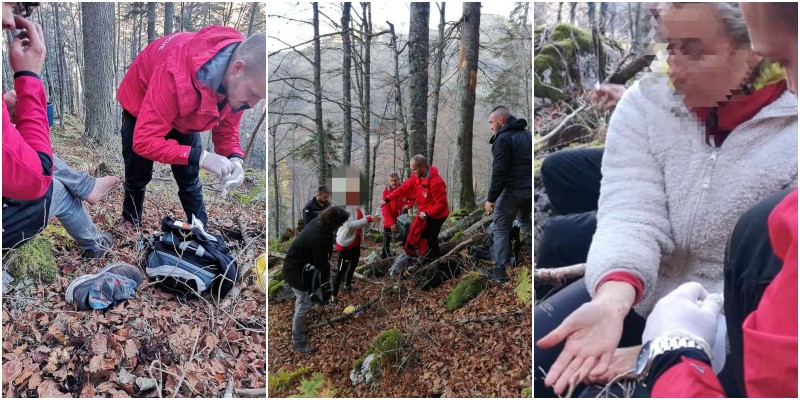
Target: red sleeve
226, 136
689, 378
404, 189
438, 204
627, 277
387, 210
27, 153
159, 108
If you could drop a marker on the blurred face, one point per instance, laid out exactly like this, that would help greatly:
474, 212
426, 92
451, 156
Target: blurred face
704, 64
323, 197
244, 90
8, 16
496, 121
771, 40
419, 170
394, 181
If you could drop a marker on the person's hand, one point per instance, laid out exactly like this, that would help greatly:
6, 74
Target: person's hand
488, 207
423, 216
235, 179
607, 95
375, 218
10, 100
27, 50
394, 228
687, 309
216, 164
622, 366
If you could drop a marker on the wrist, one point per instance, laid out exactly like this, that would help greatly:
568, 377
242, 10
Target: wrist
616, 297
202, 157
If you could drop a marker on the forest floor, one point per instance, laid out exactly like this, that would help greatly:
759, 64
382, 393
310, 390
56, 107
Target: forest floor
451, 354
152, 345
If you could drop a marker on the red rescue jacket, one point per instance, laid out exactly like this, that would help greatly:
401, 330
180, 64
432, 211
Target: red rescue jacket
430, 193
390, 211
161, 89
769, 333
27, 153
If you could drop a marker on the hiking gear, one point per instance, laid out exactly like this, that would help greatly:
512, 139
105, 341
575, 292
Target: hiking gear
115, 282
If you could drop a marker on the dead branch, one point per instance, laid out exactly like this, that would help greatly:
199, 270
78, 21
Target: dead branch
492, 318
553, 134
425, 274
465, 222
624, 74
558, 276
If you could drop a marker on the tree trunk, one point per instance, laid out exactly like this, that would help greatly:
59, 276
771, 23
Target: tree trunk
135, 18
169, 16
61, 65
151, 21
347, 106
572, 7
367, 15
465, 99
253, 13
98, 22
558, 16
398, 96
437, 83
323, 166
418, 38
276, 200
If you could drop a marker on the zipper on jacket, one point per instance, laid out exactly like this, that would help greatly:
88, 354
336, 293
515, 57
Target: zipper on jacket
706, 183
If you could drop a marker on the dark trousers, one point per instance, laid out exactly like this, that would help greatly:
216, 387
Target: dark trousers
750, 265
431, 233
348, 261
139, 172
387, 242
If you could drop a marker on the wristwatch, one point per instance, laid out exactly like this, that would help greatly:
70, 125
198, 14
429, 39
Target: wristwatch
663, 344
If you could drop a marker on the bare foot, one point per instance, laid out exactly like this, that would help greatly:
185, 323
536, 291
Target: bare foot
101, 188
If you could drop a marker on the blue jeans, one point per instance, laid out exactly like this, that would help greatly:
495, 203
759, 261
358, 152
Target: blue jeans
301, 306
506, 209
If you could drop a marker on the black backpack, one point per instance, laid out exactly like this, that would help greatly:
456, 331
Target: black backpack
187, 261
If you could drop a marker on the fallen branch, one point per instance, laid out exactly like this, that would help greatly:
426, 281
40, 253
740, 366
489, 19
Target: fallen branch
558, 276
492, 318
259, 392
561, 126
425, 274
465, 222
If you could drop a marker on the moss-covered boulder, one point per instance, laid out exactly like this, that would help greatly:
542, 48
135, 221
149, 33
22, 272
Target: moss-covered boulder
34, 259
277, 289
527, 392
469, 288
387, 346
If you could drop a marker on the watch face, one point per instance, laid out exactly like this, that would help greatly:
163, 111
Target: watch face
643, 358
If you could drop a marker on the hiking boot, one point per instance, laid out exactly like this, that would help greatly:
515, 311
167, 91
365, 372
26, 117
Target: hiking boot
106, 243
304, 348
114, 282
347, 288
496, 275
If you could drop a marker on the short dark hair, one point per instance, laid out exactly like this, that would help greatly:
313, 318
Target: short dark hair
323, 189
331, 218
503, 109
24, 10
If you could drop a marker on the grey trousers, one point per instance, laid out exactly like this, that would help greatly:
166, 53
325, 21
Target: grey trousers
301, 306
506, 209
70, 187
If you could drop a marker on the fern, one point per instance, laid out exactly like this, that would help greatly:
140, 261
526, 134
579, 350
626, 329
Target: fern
524, 288
310, 388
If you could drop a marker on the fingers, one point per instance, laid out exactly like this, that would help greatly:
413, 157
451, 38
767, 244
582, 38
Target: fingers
556, 336
691, 290
602, 366
32, 30
712, 304
568, 376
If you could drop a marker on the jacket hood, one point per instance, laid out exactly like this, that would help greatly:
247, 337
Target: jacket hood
513, 124
433, 171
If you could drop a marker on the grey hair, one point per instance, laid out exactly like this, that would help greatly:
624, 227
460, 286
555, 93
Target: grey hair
731, 16
394, 175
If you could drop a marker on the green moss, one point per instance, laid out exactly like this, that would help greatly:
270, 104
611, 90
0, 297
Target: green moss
256, 193
527, 392
466, 290
386, 346
457, 236
34, 259
543, 91
274, 287
276, 246
568, 32
285, 380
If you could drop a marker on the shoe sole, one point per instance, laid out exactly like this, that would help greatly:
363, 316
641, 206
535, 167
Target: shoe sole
77, 281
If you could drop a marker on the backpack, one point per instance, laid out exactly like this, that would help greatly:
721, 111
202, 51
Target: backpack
187, 261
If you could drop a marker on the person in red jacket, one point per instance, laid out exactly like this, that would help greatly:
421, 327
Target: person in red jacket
760, 279
182, 84
428, 189
390, 211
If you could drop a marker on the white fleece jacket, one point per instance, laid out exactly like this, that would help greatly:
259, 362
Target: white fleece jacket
347, 232
668, 201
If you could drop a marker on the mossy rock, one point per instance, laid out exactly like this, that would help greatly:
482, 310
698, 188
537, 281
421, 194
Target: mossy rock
388, 345
457, 236
34, 259
527, 392
466, 290
285, 380
568, 32
274, 287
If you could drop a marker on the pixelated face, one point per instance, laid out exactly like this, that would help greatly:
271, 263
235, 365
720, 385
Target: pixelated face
418, 170
704, 63
8, 16
394, 181
496, 122
770, 39
349, 186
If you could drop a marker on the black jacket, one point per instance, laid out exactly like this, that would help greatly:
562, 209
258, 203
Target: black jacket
512, 156
311, 209
311, 246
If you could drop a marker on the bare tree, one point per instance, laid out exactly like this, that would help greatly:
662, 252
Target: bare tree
151, 21
169, 15
346, 99
437, 82
558, 16
323, 170
572, 13
418, 38
253, 14
465, 99
398, 94
98, 21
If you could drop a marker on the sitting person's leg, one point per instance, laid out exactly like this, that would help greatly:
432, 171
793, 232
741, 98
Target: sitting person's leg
571, 179
564, 241
76, 221
750, 266
82, 185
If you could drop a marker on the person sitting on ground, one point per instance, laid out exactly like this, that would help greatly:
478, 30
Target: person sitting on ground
760, 279
391, 211
510, 188
311, 250
671, 192
348, 244
319, 202
30, 193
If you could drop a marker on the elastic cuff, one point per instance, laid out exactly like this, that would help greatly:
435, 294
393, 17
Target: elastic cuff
236, 155
195, 155
665, 361
627, 277
26, 73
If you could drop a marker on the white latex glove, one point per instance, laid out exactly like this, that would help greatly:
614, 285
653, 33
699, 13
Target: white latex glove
216, 164
235, 179
688, 309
